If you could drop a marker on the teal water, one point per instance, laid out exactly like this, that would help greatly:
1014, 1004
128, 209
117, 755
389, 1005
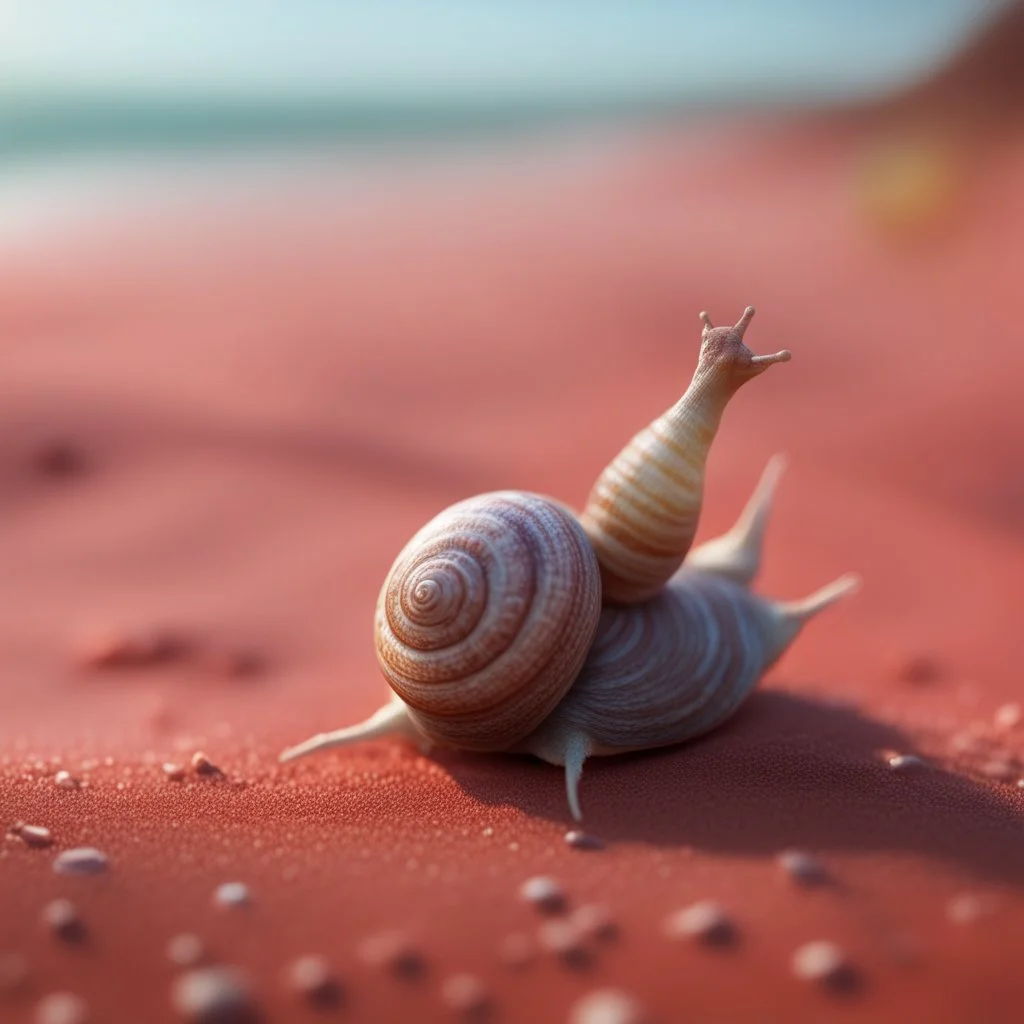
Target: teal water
106, 75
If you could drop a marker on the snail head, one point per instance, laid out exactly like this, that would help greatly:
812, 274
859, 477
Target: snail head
724, 357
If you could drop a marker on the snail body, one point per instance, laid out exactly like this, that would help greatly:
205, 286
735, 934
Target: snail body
506, 624
678, 665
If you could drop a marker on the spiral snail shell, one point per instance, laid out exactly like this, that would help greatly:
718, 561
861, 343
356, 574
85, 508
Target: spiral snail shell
486, 617
490, 627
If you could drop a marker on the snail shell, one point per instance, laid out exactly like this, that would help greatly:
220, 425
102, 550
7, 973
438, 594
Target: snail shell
484, 621
486, 616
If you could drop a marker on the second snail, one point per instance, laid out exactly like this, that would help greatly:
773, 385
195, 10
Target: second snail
507, 623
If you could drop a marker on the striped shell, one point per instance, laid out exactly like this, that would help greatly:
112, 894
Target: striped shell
487, 616
671, 668
642, 513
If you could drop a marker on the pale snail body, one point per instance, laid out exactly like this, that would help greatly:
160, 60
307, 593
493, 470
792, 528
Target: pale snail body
677, 666
542, 669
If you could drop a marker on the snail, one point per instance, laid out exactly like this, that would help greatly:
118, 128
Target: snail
507, 624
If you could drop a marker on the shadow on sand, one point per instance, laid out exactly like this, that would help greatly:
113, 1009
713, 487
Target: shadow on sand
787, 771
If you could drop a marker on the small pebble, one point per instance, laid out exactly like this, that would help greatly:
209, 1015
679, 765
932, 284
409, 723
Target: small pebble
312, 978
235, 664
82, 860
202, 765
999, 768
116, 648
583, 840
517, 951
705, 922
1008, 716
802, 867
904, 762
607, 1006
214, 995
822, 962
13, 971
174, 772
595, 921
185, 950
33, 835
66, 780
544, 893
565, 940
465, 995
61, 917
61, 1008
232, 894
965, 908
967, 742
59, 460
918, 669
394, 952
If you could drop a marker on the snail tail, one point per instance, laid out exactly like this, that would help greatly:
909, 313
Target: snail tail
390, 720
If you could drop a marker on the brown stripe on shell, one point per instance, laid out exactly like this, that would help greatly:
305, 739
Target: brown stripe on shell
486, 617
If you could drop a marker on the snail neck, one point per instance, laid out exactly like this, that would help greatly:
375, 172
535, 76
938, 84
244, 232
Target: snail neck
700, 409
643, 511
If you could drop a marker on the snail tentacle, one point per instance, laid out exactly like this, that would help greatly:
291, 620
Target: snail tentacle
736, 555
643, 511
577, 750
785, 619
390, 720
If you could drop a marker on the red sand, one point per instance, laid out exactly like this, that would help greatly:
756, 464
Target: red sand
268, 405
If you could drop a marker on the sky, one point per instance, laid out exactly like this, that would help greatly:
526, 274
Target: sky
459, 49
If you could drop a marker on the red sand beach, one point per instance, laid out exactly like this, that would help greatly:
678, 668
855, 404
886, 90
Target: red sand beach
225, 427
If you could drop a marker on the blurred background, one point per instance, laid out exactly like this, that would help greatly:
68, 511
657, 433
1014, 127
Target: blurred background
86, 89
277, 282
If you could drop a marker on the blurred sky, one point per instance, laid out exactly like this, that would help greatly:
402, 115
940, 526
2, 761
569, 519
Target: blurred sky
509, 50
91, 91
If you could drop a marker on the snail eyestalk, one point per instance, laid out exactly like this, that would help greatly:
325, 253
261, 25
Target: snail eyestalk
643, 511
782, 356
741, 324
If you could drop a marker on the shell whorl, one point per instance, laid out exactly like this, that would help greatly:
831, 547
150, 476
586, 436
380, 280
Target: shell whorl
671, 668
487, 616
